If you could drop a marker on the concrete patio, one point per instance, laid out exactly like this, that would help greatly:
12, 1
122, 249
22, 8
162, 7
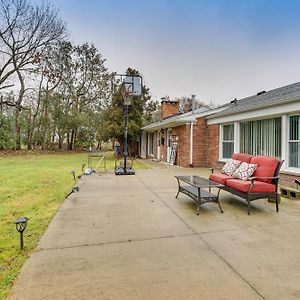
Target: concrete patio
127, 237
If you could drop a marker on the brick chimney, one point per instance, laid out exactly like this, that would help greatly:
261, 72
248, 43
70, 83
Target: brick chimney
168, 108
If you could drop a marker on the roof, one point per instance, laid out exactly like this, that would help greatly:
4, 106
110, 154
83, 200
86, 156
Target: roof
285, 94
179, 119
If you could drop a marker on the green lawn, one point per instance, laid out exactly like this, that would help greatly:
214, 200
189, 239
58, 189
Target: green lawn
33, 186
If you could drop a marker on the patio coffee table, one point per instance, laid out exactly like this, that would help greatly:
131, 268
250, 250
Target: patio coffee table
194, 187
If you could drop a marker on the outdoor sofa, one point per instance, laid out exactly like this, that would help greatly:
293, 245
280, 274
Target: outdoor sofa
263, 183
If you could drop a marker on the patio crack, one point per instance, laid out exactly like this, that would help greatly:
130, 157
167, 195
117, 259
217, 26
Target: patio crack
230, 266
204, 241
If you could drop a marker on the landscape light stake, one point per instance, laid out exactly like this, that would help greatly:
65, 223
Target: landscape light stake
21, 224
73, 173
82, 166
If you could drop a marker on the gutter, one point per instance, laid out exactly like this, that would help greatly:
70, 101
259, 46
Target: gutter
230, 112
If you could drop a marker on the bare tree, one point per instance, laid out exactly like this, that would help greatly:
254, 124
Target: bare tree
25, 31
186, 103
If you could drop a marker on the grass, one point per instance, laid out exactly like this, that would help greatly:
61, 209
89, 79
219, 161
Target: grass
33, 186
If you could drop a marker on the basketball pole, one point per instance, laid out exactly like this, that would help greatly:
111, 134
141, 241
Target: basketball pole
126, 134
130, 90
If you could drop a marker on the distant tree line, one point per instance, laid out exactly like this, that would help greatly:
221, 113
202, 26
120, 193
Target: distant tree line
54, 94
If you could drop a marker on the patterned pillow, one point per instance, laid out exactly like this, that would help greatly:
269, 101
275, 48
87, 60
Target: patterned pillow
244, 171
230, 167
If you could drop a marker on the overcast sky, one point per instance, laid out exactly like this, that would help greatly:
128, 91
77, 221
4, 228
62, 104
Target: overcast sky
216, 49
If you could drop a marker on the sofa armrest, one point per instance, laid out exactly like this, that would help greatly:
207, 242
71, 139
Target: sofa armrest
276, 178
264, 177
213, 169
218, 167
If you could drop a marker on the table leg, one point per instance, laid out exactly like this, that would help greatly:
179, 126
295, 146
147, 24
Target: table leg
178, 188
199, 201
219, 201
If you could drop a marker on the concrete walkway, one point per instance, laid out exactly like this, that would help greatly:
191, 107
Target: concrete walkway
127, 237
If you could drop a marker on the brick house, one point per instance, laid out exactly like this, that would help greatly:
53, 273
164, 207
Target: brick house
187, 133
267, 123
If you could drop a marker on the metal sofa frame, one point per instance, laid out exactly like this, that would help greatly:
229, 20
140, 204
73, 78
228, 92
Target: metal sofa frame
250, 196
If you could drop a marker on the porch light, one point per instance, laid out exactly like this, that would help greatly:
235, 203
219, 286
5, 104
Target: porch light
21, 224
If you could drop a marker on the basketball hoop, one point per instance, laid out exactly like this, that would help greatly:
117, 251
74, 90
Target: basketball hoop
132, 84
133, 87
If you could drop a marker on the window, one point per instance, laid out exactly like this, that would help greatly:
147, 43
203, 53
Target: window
261, 137
227, 140
294, 142
151, 143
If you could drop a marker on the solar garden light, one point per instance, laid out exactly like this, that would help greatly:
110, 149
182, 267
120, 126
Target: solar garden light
82, 166
73, 173
21, 224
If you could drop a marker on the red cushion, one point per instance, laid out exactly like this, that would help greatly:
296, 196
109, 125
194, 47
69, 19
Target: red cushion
242, 157
266, 166
258, 187
219, 178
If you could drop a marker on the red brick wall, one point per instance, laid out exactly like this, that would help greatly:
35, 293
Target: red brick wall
205, 144
288, 180
183, 145
213, 133
200, 143
169, 108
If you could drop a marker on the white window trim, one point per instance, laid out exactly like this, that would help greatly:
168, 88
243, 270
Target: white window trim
285, 133
286, 137
221, 158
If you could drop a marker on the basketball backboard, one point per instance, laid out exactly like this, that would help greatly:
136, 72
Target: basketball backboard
132, 83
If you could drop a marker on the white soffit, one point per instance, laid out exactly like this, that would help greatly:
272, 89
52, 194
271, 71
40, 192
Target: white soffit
288, 108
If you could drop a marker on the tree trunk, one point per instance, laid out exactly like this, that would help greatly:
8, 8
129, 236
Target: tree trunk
60, 141
45, 133
29, 131
74, 139
71, 140
18, 110
53, 137
17, 129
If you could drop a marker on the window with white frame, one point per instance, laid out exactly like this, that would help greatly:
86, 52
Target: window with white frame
294, 141
227, 140
261, 137
151, 143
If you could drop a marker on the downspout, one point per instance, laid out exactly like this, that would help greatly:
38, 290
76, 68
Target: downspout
191, 132
191, 144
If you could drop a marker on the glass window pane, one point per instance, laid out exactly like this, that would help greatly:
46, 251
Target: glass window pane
228, 132
261, 137
227, 149
228, 141
294, 154
295, 128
